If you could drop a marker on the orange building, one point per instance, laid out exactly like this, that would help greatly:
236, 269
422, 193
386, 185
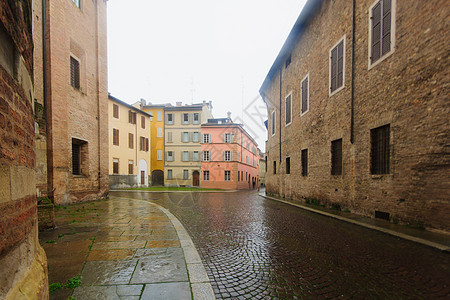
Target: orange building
229, 156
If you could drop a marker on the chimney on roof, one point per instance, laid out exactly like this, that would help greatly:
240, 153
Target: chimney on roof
229, 115
179, 103
143, 102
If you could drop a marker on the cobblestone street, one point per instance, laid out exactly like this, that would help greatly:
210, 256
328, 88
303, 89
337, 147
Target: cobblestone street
257, 248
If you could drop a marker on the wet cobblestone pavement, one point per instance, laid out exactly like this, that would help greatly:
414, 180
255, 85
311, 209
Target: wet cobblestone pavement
254, 248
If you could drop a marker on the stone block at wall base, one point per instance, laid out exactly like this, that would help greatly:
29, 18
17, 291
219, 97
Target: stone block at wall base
46, 216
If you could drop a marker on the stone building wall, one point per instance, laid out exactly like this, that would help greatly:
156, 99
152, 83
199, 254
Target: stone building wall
23, 271
74, 115
407, 90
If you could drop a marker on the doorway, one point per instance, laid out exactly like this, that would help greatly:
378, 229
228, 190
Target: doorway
157, 178
195, 178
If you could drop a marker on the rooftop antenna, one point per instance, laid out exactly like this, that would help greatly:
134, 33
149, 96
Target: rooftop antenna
242, 100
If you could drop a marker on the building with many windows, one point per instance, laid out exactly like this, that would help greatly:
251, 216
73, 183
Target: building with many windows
71, 99
129, 145
358, 108
230, 156
182, 142
157, 140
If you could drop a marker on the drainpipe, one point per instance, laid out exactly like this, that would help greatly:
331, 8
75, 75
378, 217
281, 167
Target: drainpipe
280, 108
353, 76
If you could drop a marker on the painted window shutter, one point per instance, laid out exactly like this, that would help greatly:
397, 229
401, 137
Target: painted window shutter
231, 155
223, 155
166, 156
386, 38
224, 137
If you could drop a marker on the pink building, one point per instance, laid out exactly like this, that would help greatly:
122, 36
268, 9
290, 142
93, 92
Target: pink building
229, 156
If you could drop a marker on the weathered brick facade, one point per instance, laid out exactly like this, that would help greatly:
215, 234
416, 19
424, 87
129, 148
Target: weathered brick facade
23, 271
76, 101
407, 89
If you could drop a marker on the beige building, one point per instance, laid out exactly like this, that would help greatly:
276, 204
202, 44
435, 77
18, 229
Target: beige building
182, 143
129, 145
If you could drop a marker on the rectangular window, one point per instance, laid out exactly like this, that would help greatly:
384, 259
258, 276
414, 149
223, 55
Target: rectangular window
142, 143
227, 155
196, 156
185, 155
77, 3
169, 174
196, 118
130, 167
185, 137
143, 122
288, 61
115, 137
115, 166
274, 168
169, 137
185, 118
239, 176
227, 138
227, 175
337, 66
206, 156
273, 123
206, 138
76, 159
304, 162
336, 157
131, 117
185, 174
74, 73
170, 119
288, 165
305, 95
159, 116
115, 111
130, 140
288, 107
206, 175
169, 155
159, 132
196, 137
381, 29
380, 138
159, 155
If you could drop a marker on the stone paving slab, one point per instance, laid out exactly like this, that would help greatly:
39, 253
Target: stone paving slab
123, 249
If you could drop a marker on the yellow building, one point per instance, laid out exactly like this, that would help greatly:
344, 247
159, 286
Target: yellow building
157, 140
129, 145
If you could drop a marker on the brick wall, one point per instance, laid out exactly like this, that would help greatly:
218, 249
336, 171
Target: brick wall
406, 90
21, 257
71, 113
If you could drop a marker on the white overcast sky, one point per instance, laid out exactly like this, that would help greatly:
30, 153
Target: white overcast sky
195, 50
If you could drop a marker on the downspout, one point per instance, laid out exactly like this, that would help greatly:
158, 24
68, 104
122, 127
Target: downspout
280, 110
352, 121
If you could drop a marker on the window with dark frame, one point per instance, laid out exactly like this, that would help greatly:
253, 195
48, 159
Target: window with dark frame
76, 159
206, 175
227, 175
288, 165
130, 140
273, 123
131, 117
185, 118
74, 73
115, 137
274, 167
337, 67
169, 118
115, 111
115, 166
380, 150
288, 61
304, 158
380, 29
305, 95
130, 167
288, 106
336, 157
